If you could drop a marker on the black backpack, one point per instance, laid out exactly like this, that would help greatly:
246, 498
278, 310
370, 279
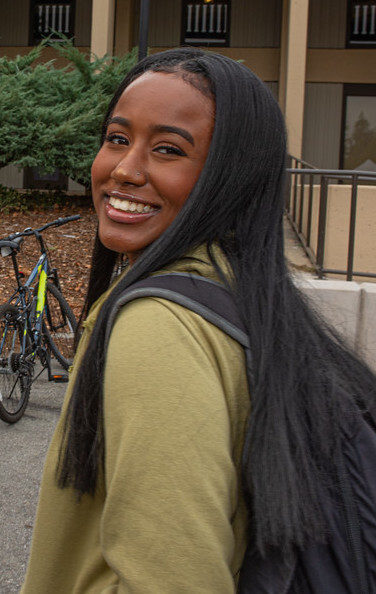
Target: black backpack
347, 563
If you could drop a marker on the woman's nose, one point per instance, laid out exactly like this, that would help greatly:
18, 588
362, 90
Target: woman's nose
129, 171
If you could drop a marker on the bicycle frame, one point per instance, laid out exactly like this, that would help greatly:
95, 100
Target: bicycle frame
19, 297
36, 303
32, 303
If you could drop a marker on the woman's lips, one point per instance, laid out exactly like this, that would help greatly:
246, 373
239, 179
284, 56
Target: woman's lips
127, 210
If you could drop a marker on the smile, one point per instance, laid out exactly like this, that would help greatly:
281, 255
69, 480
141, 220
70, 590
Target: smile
129, 206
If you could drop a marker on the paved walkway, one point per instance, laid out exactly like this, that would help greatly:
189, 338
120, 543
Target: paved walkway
294, 252
23, 448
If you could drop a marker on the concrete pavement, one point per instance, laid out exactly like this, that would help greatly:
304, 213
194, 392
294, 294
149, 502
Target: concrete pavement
23, 447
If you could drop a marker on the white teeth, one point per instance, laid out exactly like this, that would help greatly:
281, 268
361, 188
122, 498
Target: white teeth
128, 206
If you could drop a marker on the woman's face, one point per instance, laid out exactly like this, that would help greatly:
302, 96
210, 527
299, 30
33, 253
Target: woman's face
156, 145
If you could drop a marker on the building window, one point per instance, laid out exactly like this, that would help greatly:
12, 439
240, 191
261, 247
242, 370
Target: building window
206, 23
361, 18
359, 128
51, 18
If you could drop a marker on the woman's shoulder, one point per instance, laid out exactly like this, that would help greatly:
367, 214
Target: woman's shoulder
199, 262
153, 311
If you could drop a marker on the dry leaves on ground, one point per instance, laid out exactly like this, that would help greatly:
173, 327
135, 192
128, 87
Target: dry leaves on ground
69, 247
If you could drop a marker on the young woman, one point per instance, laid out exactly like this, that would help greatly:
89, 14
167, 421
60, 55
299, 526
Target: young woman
158, 466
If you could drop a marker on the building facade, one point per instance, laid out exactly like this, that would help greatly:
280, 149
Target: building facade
318, 57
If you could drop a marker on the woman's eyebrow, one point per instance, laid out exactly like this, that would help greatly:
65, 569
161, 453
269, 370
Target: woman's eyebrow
175, 130
159, 128
119, 120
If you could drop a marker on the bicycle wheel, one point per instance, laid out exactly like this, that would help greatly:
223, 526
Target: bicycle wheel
59, 325
15, 372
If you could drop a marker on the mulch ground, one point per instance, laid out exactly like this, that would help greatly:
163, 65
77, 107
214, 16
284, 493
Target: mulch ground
69, 246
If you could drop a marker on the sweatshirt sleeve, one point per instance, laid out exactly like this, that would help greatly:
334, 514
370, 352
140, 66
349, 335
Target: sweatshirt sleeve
170, 479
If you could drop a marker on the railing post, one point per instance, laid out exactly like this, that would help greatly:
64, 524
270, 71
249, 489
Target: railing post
301, 203
351, 247
288, 185
322, 225
309, 214
294, 196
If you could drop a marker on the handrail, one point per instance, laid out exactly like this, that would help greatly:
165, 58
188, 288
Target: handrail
335, 173
299, 208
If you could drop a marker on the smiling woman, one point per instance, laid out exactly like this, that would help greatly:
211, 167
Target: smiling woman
161, 474
155, 147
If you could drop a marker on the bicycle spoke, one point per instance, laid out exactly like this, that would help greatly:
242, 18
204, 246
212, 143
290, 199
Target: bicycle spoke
15, 378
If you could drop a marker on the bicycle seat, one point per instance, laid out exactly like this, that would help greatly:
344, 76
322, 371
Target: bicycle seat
7, 246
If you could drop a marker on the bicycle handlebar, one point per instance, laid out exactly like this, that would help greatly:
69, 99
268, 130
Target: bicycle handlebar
57, 223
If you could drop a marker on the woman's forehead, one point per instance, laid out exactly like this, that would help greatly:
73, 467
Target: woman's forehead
165, 92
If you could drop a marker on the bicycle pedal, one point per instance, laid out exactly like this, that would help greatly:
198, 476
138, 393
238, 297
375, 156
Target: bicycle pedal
60, 379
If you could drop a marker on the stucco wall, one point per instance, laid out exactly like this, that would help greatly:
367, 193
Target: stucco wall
350, 308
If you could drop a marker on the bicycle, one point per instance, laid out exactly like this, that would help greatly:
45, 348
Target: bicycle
35, 322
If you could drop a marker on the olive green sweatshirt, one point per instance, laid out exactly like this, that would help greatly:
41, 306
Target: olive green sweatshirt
168, 516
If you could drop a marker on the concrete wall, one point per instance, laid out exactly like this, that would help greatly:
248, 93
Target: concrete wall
350, 308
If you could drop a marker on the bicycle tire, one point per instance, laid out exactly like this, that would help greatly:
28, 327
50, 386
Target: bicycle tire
59, 326
15, 373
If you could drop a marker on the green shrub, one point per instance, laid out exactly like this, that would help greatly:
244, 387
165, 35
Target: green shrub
51, 116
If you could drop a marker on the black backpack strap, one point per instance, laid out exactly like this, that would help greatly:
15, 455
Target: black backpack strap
209, 299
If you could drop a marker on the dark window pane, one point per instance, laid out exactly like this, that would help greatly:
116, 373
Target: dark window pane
360, 133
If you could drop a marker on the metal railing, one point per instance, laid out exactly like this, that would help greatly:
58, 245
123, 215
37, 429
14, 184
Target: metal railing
52, 19
302, 178
362, 30
206, 24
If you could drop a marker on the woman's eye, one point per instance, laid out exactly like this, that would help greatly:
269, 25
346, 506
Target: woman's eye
170, 150
116, 139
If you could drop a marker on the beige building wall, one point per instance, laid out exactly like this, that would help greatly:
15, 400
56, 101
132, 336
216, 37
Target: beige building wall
293, 69
102, 27
342, 66
11, 177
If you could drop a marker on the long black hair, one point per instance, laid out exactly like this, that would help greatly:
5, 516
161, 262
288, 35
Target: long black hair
304, 379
